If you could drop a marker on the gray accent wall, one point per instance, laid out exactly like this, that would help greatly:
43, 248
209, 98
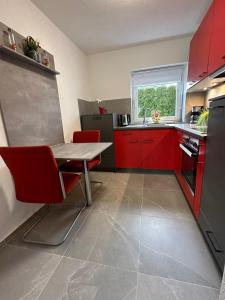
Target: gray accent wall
119, 106
29, 101
29, 104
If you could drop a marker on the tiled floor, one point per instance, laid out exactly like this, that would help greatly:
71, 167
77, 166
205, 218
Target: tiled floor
138, 241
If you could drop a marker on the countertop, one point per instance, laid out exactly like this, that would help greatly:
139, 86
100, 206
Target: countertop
198, 131
79, 151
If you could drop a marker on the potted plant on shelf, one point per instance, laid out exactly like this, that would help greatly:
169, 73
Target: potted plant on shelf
30, 48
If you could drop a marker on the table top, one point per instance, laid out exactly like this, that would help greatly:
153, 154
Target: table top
79, 151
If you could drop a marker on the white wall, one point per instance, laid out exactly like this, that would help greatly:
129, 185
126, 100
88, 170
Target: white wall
110, 71
26, 19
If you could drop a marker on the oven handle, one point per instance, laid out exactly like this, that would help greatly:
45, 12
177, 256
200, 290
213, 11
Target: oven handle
187, 151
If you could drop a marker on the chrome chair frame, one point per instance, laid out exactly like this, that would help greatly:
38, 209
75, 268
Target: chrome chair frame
39, 242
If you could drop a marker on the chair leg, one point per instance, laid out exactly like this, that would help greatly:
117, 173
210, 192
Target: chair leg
39, 242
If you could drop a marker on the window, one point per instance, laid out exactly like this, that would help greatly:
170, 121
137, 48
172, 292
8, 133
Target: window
158, 90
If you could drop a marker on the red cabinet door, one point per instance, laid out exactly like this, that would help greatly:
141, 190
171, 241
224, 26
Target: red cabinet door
158, 149
200, 47
178, 151
127, 149
217, 49
193, 60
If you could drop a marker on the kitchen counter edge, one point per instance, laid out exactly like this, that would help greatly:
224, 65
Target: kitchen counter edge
179, 127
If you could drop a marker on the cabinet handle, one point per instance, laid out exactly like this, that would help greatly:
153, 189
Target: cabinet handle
148, 141
126, 134
133, 141
96, 118
223, 57
203, 74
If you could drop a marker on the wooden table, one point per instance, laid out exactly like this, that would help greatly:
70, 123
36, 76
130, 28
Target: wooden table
83, 152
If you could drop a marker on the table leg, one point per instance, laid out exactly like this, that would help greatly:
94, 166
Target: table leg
87, 184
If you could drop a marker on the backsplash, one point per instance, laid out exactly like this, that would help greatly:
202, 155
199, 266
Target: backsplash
120, 106
194, 99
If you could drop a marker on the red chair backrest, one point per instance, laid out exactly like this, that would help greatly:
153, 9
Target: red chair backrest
35, 173
86, 136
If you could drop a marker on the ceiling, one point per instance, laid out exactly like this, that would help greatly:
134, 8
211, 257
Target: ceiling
103, 25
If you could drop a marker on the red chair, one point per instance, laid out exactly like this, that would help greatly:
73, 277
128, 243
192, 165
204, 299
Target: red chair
85, 136
38, 180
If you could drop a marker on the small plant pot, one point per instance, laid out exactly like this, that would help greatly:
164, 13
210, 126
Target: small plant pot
32, 54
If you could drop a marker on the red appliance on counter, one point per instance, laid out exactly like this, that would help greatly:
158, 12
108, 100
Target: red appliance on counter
190, 168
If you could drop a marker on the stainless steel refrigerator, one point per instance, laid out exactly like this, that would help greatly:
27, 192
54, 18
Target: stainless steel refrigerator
212, 216
106, 124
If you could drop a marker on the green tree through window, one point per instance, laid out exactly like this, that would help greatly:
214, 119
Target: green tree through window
160, 98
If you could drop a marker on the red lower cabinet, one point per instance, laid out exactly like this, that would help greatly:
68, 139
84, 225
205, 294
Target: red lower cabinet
127, 149
145, 149
199, 178
194, 199
158, 149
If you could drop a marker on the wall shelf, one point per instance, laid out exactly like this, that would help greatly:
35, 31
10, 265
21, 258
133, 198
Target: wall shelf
26, 59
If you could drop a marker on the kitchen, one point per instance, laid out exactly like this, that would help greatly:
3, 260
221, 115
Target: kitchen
161, 236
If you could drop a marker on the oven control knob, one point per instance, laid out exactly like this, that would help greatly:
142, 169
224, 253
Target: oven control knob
186, 138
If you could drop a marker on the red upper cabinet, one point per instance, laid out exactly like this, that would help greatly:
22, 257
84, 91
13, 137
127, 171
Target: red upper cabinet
199, 48
217, 50
193, 60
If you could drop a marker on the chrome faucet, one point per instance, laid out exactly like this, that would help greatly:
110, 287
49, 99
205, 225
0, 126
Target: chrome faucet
145, 122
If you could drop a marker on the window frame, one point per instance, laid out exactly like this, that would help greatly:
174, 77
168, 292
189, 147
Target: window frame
180, 98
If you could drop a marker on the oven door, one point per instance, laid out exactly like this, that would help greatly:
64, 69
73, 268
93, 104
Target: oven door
189, 165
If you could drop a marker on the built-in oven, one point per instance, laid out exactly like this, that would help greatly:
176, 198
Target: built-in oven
190, 150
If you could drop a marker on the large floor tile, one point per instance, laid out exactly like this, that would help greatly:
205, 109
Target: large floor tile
24, 272
110, 239
167, 204
118, 198
163, 182
119, 192
119, 179
156, 288
175, 249
76, 279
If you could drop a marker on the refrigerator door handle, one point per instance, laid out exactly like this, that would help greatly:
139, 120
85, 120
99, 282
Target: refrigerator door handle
213, 242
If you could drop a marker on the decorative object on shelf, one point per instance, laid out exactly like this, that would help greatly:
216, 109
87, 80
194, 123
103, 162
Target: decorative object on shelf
156, 117
21, 57
30, 48
39, 57
11, 39
101, 108
45, 59
203, 118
